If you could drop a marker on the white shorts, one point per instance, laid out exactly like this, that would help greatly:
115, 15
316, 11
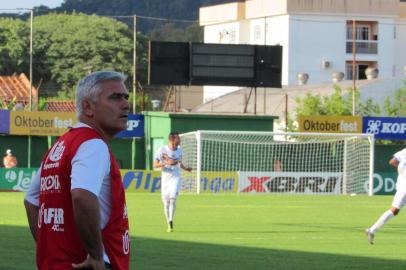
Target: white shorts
400, 198
170, 187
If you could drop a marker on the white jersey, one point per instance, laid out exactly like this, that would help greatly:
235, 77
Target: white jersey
401, 158
170, 178
164, 154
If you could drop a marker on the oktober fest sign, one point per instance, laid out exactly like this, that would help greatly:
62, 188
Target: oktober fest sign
330, 124
41, 123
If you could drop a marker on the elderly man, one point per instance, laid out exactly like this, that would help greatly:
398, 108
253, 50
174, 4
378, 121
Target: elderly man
76, 204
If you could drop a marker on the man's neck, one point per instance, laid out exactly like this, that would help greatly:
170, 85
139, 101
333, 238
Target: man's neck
105, 136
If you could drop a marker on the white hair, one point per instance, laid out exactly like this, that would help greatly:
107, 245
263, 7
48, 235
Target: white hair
90, 86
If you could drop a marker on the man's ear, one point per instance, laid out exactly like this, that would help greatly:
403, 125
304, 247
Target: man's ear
88, 107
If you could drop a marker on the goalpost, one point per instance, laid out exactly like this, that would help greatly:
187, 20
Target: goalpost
276, 162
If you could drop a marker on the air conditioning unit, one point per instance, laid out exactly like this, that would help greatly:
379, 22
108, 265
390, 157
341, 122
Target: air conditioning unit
325, 64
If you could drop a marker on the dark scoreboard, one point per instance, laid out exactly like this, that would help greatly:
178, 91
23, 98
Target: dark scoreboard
176, 63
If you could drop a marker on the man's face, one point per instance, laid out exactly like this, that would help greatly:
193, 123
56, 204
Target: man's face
175, 140
111, 109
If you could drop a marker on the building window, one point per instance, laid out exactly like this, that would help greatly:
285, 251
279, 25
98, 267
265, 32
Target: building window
257, 32
232, 36
359, 71
227, 36
362, 32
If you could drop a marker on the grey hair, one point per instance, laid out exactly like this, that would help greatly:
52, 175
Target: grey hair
90, 86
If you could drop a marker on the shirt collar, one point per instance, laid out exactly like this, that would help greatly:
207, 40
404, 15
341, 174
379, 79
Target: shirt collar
80, 125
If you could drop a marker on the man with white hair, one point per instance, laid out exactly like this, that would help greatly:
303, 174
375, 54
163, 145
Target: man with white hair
9, 161
76, 203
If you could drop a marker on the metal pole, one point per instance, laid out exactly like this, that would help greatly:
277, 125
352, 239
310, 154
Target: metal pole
142, 98
31, 34
174, 99
31, 79
371, 165
265, 30
345, 176
286, 112
134, 86
134, 62
180, 98
353, 65
255, 100
198, 160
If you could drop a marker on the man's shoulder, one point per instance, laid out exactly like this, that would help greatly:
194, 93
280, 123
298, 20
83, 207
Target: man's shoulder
164, 148
400, 154
403, 152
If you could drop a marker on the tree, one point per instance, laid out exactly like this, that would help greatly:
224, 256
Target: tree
67, 46
14, 44
397, 107
335, 104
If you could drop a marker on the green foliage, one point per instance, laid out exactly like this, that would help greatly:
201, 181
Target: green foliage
14, 44
72, 43
335, 104
66, 47
397, 107
42, 103
138, 101
12, 105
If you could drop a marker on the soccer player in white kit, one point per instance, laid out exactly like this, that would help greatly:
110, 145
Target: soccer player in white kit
398, 161
169, 159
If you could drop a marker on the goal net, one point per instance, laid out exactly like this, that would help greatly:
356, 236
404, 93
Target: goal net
274, 162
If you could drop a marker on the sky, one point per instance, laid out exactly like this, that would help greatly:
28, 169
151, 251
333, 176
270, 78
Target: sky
5, 4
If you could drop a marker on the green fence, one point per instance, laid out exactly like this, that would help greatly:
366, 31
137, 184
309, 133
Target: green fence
39, 145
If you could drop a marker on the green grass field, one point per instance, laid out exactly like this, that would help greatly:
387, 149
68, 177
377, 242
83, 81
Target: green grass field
238, 232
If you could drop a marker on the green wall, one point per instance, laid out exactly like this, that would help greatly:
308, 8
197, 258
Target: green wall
39, 145
121, 149
384, 153
19, 147
159, 124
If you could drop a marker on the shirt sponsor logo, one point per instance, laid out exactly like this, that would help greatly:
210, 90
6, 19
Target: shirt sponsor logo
57, 151
51, 165
50, 183
55, 155
51, 216
126, 243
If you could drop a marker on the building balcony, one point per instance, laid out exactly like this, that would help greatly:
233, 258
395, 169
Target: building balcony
363, 47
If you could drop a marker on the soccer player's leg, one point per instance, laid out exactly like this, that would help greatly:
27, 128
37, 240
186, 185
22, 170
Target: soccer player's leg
165, 200
173, 195
398, 202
